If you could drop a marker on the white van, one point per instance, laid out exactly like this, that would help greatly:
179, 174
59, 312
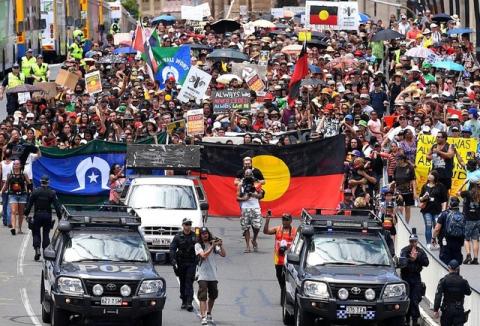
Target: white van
162, 203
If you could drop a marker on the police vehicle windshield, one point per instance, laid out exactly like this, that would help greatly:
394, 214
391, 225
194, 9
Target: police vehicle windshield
163, 196
98, 246
324, 250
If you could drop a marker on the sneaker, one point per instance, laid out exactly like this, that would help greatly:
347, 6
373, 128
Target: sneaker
204, 321
474, 261
467, 260
429, 247
209, 318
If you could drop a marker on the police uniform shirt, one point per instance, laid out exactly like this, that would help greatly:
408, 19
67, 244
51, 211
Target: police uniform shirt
453, 288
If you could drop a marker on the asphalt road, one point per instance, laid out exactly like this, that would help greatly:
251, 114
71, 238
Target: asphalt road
248, 288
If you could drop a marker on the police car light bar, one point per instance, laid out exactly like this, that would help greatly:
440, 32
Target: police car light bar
99, 217
364, 221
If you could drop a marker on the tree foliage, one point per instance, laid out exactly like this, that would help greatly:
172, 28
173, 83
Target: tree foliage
132, 7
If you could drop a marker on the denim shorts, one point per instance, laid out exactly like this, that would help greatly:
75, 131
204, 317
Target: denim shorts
472, 230
17, 199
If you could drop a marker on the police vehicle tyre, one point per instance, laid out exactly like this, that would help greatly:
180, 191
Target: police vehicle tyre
303, 318
46, 316
59, 317
286, 317
154, 319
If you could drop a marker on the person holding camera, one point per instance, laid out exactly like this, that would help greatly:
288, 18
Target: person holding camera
184, 259
284, 235
247, 165
206, 249
249, 195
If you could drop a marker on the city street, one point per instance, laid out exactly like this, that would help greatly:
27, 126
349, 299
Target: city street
248, 288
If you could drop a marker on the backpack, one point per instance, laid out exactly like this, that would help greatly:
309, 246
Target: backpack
455, 224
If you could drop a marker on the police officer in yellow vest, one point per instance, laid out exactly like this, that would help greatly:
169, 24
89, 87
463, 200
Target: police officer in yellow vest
27, 61
13, 79
40, 70
114, 28
75, 50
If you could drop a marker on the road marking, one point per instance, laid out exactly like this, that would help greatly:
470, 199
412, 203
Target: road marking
21, 254
28, 307
197, 311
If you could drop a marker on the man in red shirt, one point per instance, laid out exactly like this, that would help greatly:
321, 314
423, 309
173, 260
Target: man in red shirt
284, 235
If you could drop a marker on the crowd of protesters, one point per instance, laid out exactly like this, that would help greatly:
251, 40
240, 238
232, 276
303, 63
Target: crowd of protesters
355, 84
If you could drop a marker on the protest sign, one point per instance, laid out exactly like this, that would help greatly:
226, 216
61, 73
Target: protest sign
93, 82
277, 12
195, 125
248, 28
192, 13
247, 70
255, 83
263, 59
195, 85
466, 148
49, 89
230, 99
23, 97
304, 36
66, 79
324, 15
122, 39
173, 126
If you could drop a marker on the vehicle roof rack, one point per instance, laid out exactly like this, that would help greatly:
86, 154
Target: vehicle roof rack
352, 219
104, 215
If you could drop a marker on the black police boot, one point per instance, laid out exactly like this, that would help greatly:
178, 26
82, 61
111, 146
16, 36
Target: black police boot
184, 304
415, 322
189, 306
474, 261
37, 254
467, 260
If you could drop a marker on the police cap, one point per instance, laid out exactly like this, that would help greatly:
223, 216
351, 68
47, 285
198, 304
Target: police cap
44, 179
453, 264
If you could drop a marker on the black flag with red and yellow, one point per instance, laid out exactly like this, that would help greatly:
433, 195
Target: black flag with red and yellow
306, 175
324, 15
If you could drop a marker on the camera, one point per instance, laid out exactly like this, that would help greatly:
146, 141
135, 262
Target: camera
283, 248
248, 183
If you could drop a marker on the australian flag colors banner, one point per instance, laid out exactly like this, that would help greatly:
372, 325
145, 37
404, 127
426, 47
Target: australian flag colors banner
307, 175
172, 62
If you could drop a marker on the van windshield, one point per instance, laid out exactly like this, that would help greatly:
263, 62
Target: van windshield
163, 196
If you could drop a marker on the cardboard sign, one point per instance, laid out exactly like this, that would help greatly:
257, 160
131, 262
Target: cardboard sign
230, 99
264, 56
49, 89
255, 83
247, 70
248, 29
191, 13
277, 12
67, 79
195, 85
243, 10
304, 36
195, 124
172, 126
340, 15
93, 82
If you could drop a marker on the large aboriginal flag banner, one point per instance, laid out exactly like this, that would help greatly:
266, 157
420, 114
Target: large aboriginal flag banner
323, 15
306, 175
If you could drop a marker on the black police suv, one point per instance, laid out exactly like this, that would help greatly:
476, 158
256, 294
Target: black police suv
98, 267
339, 269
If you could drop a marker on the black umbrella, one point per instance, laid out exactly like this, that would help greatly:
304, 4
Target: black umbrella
280, 32
225, 25
25, 88
198, 46
441, 18
386, 35
228, 54
317, 44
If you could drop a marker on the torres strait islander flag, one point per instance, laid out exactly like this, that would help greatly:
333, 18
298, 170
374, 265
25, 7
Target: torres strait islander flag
307, 175
323, 15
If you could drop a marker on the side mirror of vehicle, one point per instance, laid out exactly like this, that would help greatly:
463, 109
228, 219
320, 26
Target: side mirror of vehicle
159, 258
402, 262
204, 206
307, 231
49, 254
64, 226
293, 258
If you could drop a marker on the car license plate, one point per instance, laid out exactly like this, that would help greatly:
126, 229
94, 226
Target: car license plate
111, 301
356, 310
160, 242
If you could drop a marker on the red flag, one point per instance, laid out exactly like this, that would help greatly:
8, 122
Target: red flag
299, 73
139, 39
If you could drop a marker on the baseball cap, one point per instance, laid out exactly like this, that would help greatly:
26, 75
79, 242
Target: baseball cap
44, 179
15, 65
467, 130
363, 123
453, 264
413, 237
204, 229
455, 129
30, 115
349, 117
347, 191
454, 117
186, 220
356, 152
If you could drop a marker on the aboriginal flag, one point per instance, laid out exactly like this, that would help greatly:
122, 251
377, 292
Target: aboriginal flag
299, 73
323, 15
307, 175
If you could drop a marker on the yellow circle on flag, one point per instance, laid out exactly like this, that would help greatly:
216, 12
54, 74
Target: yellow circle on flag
276, 174
323, 15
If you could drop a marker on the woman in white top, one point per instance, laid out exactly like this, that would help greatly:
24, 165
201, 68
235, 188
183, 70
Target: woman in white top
5, 168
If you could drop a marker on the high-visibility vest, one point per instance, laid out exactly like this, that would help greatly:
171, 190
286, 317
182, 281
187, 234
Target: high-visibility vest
114, 29
76, 51
40, 71
14, 81
27, 65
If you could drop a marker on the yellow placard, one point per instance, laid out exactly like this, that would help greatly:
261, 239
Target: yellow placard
304, 36
466, 148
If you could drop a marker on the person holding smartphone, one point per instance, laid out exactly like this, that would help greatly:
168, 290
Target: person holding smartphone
117, 178
284, 235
